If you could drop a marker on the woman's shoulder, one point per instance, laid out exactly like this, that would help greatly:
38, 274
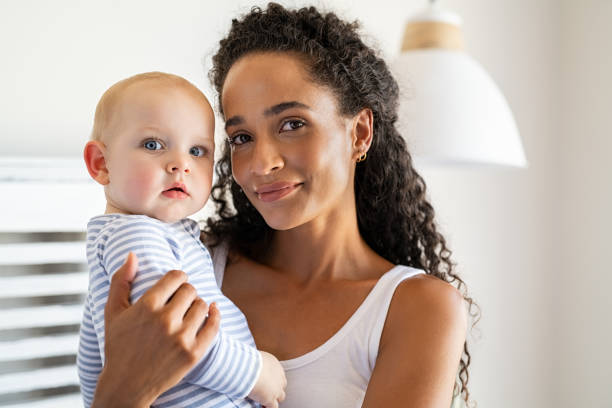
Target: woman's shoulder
427, 292
424, 287
426, 302
421, 343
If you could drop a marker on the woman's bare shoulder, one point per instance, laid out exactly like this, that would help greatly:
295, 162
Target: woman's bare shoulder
420, 346
427, 298
425, 307
428, 290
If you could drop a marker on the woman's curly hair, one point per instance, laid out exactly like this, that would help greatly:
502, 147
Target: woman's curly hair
394, 215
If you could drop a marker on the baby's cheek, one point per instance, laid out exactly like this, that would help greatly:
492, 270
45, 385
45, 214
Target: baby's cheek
140, 186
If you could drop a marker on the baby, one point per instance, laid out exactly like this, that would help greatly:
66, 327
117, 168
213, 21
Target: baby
152, 149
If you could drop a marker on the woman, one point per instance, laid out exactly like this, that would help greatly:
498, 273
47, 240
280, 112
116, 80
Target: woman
326, 207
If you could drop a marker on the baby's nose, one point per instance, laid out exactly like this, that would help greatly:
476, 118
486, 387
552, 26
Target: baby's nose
178, 166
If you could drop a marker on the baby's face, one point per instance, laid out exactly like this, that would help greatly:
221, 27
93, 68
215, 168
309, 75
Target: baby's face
159, 152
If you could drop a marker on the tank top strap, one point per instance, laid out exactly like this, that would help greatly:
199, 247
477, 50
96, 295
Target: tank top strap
380, 300
219, 260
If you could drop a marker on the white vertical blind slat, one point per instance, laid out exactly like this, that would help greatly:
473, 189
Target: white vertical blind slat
39, 379
42, 196
45, 316
38, 347
65, 401
43, 285
42, 252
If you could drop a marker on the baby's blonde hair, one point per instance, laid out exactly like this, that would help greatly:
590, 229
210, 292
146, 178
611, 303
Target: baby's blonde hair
111, 98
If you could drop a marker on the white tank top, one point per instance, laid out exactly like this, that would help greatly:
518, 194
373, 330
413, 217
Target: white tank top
336, 374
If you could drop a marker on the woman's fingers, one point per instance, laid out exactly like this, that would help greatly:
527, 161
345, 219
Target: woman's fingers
152, 330
207, 333
195, 317
181, 301
120, 286
157, 296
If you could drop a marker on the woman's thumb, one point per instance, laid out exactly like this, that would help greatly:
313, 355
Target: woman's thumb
120, 286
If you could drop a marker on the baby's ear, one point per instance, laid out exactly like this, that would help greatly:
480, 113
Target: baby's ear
95, 162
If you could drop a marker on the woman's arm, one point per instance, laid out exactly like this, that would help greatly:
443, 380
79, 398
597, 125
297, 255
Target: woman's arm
230, 366
153, 343
420, 347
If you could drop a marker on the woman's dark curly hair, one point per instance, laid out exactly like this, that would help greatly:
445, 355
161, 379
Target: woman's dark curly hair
394, 216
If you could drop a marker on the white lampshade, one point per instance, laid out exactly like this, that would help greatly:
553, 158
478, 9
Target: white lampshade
451, 111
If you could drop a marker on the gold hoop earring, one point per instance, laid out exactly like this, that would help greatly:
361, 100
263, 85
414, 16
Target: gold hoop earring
362, 157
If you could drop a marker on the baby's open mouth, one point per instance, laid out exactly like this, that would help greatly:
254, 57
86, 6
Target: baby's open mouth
176, 189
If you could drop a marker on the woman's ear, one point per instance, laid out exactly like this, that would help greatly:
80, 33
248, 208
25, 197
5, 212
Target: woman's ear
95, 162
363, 132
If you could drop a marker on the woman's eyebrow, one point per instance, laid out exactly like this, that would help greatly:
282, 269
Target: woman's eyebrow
271, 111
276, 109
233, 121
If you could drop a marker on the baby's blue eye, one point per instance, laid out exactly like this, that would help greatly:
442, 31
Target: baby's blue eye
152, 145
197, 151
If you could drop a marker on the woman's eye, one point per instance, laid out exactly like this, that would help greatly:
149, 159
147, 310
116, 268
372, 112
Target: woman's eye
197, 151
152, 145
239, 139
292, 124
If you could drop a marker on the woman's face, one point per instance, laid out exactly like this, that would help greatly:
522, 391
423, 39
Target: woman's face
292, 151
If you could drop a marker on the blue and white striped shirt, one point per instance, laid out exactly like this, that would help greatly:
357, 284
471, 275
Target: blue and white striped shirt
230, 367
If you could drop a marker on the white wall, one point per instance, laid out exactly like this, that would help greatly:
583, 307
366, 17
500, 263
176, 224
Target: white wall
529, 262
58, 57
585, 193
500, 222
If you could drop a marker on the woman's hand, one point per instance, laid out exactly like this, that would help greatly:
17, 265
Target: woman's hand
152, 344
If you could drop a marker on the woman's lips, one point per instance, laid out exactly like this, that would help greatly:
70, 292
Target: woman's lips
275, 191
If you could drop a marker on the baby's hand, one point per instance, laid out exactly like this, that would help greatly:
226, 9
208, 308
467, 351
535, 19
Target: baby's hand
269, 389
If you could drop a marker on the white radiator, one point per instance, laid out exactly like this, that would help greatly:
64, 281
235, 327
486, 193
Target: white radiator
44, 208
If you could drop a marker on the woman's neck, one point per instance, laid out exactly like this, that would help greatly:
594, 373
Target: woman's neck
325, 249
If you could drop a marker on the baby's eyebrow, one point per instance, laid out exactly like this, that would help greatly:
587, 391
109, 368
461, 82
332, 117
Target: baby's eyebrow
150, 128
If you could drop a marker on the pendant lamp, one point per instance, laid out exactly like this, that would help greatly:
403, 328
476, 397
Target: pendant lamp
451, 112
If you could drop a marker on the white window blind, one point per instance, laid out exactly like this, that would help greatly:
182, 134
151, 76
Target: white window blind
44, 209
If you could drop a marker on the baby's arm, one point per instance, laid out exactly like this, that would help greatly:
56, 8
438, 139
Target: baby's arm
89, 361
230, 367
269, 389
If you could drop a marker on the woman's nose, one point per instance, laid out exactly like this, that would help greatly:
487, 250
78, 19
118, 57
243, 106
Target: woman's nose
266, 158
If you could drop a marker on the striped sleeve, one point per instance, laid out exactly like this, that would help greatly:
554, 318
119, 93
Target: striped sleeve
89, 361
229, 366
153, 244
